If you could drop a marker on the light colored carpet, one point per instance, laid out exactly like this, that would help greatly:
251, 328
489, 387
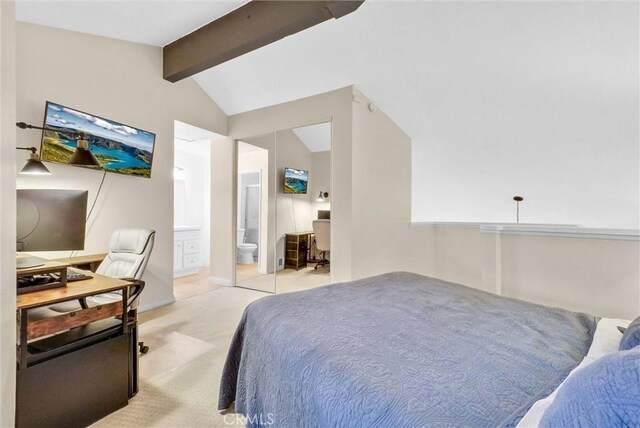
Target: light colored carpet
170, 351
186, 396
193, 285
179, 387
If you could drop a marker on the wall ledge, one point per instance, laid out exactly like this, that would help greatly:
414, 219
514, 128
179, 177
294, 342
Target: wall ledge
557, 230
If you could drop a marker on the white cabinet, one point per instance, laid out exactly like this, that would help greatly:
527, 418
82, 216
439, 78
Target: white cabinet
186, 250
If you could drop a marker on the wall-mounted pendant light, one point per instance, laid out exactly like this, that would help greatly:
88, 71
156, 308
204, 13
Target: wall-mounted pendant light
82, 154
34, 165
322, 197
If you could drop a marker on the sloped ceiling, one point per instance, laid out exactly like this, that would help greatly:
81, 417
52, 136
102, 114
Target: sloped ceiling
317, 138
415, 60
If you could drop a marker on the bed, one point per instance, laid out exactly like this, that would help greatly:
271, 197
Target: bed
398, 349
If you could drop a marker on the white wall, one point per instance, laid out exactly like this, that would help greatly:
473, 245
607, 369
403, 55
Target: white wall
7, 213
320, 181
535, 99
597, 276
192, 196
381, 192
121, 81
223, 221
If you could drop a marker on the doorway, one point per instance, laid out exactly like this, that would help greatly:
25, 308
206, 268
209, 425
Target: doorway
192, 209
255, 221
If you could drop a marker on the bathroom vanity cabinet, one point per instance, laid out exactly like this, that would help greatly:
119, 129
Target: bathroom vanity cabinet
186, 250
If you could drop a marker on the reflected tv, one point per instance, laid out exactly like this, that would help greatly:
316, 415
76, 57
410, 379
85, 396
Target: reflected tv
295, 180
119, 148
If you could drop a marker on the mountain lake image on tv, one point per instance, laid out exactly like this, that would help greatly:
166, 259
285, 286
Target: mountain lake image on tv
295, 180
119, 148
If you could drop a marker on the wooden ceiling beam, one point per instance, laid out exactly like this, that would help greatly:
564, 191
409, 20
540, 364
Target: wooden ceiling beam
251, 26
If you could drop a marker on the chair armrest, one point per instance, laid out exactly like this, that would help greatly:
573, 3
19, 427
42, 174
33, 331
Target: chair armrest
135, 289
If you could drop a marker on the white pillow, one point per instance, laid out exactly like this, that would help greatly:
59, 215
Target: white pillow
605, 341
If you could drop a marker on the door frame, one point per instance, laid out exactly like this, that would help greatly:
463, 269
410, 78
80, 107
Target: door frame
261, 262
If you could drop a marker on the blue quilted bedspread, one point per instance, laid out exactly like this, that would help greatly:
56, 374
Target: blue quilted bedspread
398, 350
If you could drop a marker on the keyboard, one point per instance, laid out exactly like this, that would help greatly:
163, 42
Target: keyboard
77, 275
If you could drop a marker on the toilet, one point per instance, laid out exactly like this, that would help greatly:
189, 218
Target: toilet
245, 251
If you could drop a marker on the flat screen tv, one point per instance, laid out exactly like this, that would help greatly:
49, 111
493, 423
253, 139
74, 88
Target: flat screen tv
295, 180
119, 148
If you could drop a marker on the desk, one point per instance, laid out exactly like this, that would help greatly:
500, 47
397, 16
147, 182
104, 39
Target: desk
77, 377
296, 246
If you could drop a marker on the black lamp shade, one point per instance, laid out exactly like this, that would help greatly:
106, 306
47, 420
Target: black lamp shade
34, 167
83, 156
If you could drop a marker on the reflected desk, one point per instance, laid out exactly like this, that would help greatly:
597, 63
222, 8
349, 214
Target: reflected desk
74, 368
297, 245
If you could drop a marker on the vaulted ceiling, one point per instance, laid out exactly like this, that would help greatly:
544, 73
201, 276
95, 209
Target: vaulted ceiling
416, 60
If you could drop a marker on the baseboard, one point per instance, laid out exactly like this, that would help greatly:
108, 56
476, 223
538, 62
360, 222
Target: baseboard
154, 305
220, 281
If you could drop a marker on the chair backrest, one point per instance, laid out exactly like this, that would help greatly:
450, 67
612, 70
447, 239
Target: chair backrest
129, 251
322, 233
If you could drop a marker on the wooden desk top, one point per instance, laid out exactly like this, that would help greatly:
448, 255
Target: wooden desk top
74, 290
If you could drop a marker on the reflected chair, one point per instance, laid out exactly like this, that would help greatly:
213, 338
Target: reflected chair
322, 233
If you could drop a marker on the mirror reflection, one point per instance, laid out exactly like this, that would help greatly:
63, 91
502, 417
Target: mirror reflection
303, 230
255, 222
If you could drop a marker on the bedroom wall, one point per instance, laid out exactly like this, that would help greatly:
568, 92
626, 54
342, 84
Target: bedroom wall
597, 276
381, 191
538, 99
121, 81
223, 222
370, 213
7, 212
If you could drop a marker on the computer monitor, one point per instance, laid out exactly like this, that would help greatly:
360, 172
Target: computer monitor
50, 220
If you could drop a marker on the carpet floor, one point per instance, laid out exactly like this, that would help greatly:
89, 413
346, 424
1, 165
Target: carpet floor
188, 340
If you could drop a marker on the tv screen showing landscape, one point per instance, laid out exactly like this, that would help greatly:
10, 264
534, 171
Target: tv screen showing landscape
295, 180
119, 148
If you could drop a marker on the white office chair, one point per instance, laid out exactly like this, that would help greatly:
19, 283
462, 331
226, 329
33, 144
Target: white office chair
322, 234
129, 252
